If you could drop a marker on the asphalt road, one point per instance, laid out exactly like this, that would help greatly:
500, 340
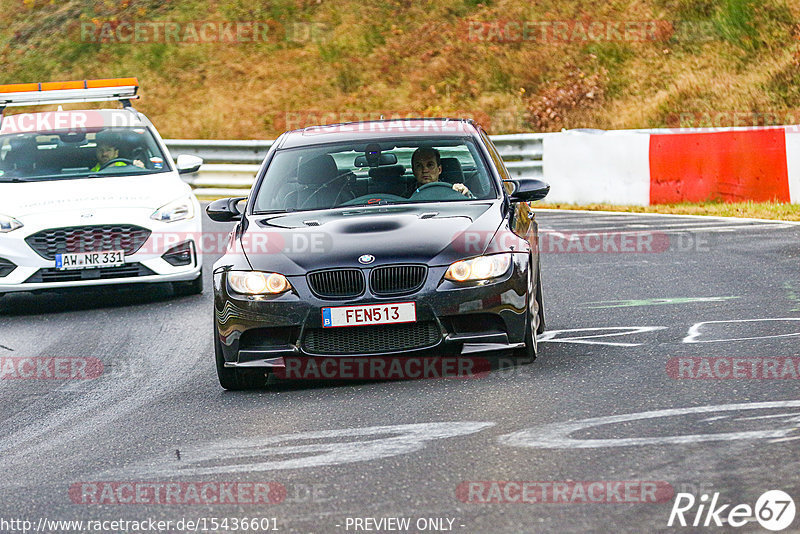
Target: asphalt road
623, 327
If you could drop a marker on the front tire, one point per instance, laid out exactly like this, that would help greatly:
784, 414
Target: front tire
540, 301
531, 348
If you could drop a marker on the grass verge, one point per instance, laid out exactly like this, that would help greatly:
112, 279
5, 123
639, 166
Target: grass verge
754, 210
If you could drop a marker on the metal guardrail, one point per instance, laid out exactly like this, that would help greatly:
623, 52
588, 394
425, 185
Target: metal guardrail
230, 166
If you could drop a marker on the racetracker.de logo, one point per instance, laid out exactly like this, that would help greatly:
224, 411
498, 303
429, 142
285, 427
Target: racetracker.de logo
298, 119
224, 242
552, 242
468, 242
394, 126
71, 121
564, 492
177, 493
202, 31
566, 31
730, 368
383, 368
50, 368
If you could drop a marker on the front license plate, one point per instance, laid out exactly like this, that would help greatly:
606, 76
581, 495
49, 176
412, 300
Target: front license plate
87, 260
403, 312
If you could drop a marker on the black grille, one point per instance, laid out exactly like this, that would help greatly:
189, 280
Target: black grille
337, 283
6, 266
48, 243
129, 270
374, 339
397, 279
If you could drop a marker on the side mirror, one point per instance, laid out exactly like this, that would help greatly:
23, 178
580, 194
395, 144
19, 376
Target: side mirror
225, 209
527, 189
187, 164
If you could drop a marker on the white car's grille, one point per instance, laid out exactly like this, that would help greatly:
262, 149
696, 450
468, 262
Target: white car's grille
48, 243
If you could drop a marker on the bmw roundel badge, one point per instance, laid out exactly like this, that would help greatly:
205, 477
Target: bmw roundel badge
366, 259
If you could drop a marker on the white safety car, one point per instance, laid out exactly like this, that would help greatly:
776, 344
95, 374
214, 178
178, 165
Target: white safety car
92, 197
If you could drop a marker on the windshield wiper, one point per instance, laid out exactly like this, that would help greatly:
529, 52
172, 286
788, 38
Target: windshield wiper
15, 180
112, 174
367, 204
270, 212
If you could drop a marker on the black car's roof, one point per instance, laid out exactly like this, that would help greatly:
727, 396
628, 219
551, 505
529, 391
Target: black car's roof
376, 130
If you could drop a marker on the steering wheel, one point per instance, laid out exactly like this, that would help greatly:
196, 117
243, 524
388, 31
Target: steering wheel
419, 194
115, 160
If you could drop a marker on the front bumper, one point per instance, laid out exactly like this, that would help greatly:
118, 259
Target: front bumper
32, 272
261, 331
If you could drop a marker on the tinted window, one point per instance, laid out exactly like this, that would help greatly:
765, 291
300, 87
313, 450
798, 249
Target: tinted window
349, 174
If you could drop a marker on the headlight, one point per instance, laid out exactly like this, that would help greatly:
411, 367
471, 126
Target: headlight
480, 268
8, 224
257, 283
177, 210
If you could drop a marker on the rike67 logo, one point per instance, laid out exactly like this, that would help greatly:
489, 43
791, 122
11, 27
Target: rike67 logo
774, 510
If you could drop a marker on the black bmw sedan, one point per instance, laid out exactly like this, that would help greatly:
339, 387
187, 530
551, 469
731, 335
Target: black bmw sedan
375, 239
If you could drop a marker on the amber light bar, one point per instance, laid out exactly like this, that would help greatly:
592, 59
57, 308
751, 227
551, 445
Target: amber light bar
34, 94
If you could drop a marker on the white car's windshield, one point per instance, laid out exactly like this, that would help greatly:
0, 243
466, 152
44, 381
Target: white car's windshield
359, 173
105, 152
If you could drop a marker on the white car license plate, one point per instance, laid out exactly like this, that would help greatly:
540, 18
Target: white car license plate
86, 260
403, 312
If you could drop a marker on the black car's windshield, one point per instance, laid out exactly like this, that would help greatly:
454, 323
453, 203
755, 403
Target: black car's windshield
104, 152
359, 173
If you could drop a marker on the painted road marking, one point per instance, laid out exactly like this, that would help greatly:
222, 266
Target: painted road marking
665, 229
723, 228
698, 330
557, 435
269, 453
656, 225
653, 302
550, 336
564, 213
792, 294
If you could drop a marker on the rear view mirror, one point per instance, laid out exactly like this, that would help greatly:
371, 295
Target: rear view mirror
387, 158
73, 137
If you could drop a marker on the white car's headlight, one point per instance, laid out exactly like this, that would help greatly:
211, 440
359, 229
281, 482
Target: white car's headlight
8, 224
177, 210
480, 268
258, 283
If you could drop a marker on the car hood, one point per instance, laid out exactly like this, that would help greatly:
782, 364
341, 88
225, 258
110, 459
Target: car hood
434, 234
144, 191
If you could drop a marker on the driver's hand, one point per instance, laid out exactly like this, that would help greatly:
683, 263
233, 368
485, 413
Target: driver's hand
461, 188
138, 163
